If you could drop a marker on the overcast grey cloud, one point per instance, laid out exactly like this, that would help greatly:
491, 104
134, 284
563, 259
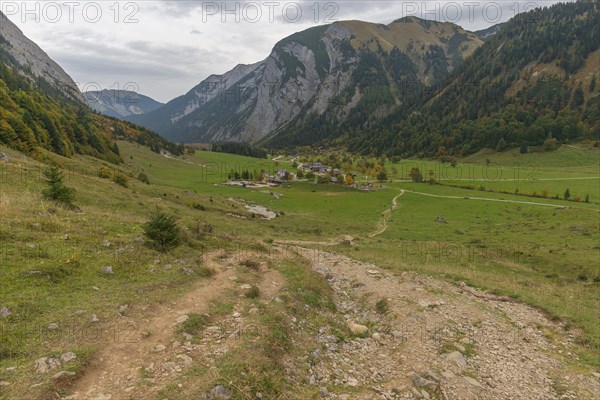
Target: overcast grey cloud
166, 47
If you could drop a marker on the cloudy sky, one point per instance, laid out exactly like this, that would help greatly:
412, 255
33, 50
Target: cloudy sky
163, 48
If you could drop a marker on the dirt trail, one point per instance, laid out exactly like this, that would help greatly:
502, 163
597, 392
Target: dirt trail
386, 216
533, 203
440, 339
116, 373
140, 368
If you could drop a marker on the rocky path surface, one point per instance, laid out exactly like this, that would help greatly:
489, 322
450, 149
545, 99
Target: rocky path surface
407, 336
140, 366
441, 341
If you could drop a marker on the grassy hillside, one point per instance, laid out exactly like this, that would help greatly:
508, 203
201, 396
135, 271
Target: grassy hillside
414, 36
54, 258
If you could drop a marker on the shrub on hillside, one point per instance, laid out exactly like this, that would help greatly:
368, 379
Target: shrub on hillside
197, 206
162, 231
524, 148
382, 306
57, 190
382, 176
120, 179
415, 175
252, 293
104, 173
550, 144
502, 145
142, 177
322, 179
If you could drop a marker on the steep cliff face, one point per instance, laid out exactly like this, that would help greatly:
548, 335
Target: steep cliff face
323, 72
33, 61
173, 114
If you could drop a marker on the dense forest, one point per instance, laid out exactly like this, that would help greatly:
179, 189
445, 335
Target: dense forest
31, 118
241, 149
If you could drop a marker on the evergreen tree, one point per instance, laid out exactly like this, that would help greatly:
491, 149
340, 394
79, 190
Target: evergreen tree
57, 190
501, 145
162, 230
523, 149
431, 177
567, 194
415, 175
578, 97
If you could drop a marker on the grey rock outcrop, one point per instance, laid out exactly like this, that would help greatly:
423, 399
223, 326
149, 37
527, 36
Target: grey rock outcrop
34, 61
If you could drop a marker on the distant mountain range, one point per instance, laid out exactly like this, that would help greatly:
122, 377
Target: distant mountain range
409, 87
412, 87
120, 103
352, 65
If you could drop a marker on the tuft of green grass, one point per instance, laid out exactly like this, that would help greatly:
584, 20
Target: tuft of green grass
205, 272
307, 287
382, 306
252, 293
194, 324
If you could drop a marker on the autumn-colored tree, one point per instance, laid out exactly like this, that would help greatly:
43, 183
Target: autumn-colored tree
441, 151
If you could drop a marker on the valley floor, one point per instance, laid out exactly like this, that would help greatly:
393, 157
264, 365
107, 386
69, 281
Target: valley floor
302, 291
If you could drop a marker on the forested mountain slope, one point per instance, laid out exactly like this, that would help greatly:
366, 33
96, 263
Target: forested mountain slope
536, 78
41, 107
